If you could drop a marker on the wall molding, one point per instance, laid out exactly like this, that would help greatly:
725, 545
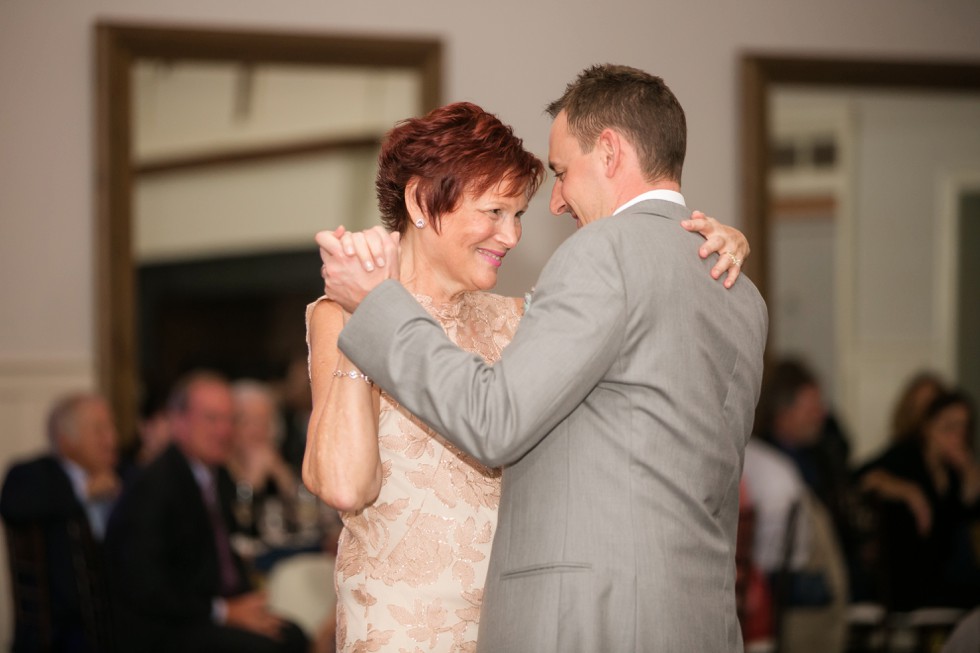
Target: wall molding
28, 386
46, 365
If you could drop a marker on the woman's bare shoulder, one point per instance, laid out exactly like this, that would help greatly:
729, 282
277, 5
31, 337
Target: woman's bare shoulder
324, 311
324, 321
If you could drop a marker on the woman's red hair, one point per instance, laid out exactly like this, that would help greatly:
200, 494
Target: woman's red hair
454, 150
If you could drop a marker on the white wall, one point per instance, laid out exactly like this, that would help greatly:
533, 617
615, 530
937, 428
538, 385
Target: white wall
511, 56
908, 148
902, 149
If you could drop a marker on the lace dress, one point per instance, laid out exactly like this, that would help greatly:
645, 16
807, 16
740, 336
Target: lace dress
411, 567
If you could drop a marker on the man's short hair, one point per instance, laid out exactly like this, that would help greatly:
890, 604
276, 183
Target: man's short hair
179, 398
636, 104
64, 413
780, 387
245, 390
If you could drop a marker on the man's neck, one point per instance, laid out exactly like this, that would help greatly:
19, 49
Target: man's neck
72, 465
628, 191
662, 194
194, 461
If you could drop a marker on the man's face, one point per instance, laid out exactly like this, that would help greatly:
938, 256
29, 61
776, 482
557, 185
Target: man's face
254, 422
578, 176
801, 422
93, 443
205, 430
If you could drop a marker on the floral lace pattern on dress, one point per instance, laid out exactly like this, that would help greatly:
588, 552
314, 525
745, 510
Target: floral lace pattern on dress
411, 567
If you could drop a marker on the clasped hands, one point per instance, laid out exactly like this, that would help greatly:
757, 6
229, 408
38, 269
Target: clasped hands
251, 612
354, 263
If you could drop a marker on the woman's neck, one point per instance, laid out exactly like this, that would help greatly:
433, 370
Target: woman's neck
420, 277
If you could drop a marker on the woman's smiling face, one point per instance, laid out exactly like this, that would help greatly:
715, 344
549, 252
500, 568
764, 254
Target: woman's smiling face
473, 240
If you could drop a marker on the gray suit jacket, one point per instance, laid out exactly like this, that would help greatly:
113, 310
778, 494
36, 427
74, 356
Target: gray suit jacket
621, 411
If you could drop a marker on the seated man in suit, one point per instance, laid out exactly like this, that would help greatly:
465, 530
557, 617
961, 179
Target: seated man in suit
177, 583
65, 497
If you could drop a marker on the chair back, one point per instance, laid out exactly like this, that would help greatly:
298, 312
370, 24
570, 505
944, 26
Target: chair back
89, 568
36, 628
29, 586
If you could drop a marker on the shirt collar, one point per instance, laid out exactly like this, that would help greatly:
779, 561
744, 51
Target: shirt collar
77, 476
659, 194
203, 474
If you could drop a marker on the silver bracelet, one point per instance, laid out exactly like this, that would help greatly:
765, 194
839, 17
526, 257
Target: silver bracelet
354, 375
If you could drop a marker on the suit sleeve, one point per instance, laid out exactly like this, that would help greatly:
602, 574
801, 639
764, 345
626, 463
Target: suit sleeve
565, 344
144, 557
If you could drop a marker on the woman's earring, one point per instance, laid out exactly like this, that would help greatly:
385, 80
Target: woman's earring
420, 223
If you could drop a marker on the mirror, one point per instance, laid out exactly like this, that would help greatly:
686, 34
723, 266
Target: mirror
195, 131
858, 186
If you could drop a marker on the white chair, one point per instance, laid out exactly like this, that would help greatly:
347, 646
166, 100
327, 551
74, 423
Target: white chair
301, 588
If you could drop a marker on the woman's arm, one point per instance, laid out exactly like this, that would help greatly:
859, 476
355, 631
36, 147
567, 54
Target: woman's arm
886, 485
962, 460
342, 464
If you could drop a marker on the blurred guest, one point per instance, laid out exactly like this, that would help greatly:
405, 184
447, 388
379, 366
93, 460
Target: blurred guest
177, 583
912, 403
776, 490
915, 397
265, 484
867, 544
794, 417
929, 488
66, 496
810, 597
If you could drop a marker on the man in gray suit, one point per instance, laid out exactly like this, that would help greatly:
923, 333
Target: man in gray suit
620, 410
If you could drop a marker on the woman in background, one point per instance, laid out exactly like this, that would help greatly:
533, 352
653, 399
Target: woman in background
266, 486
928, 487
912, 403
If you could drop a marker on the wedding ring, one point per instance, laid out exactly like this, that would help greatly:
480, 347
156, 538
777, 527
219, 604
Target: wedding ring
736, 261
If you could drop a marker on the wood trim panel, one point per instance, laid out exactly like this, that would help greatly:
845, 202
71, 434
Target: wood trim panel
803, 207
251, 154
761, 71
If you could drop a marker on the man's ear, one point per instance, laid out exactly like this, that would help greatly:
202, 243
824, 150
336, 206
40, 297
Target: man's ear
60, 443
609, 148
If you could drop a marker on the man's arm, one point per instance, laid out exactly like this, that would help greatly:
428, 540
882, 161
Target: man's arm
565, 344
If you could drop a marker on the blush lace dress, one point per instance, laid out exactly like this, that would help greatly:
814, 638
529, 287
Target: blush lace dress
411, 566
